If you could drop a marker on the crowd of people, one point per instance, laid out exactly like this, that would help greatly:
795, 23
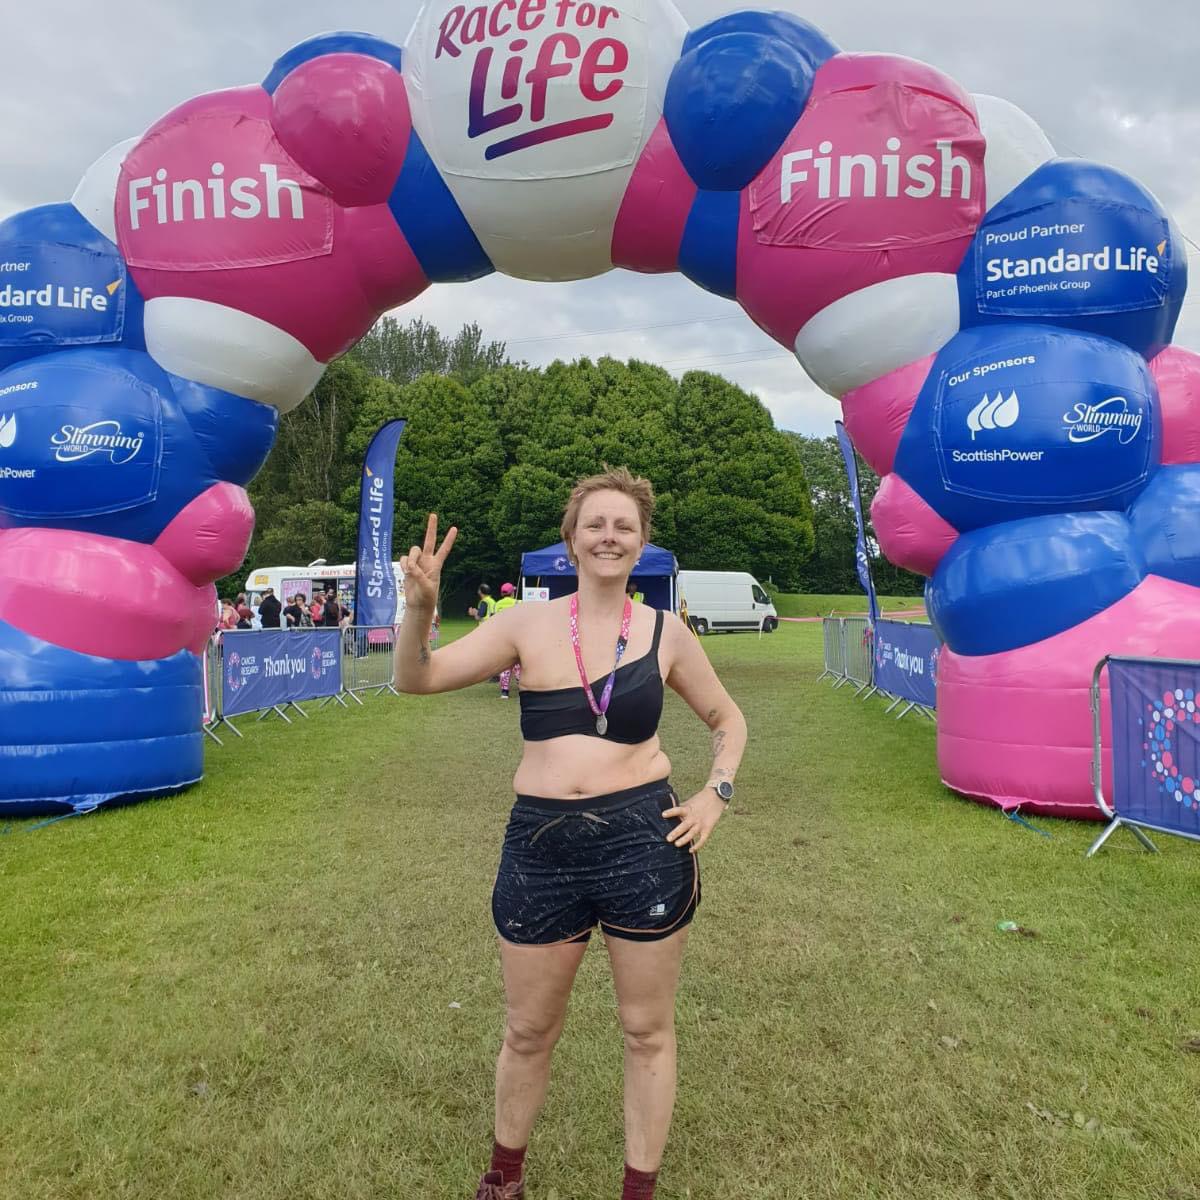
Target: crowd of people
323, 611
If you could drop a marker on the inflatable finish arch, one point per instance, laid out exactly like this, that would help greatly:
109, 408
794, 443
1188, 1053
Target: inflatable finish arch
996, 321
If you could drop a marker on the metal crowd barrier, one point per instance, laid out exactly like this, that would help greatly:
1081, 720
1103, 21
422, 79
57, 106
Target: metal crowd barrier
367, 652
848, 653
212, 686
856, 645
366, 668
835, 651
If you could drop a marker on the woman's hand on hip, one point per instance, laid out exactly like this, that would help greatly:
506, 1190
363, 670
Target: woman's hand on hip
697, 818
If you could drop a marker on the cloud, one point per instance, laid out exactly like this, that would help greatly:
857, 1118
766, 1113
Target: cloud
1106, 80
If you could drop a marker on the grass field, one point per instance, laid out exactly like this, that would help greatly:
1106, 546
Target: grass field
284, 983
791, 604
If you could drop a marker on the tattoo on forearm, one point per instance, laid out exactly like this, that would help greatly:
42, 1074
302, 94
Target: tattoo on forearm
723, 772
423, 655
718, 742
712, 712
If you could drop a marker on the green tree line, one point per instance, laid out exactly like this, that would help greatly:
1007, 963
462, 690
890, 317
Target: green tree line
493, 447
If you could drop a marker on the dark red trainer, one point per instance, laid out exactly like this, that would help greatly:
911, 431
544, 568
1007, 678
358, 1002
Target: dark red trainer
491, 1187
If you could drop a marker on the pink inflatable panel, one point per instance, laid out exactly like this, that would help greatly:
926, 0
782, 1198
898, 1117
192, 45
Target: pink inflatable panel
654, 210
1015, 729
910, 533
1177, 373
345, 119
209, 537
840, 207
159, 614
876, 413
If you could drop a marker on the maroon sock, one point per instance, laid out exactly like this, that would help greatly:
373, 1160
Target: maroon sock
639, 1185
510, 1163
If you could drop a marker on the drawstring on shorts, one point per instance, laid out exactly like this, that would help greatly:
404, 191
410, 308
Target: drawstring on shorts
589, 816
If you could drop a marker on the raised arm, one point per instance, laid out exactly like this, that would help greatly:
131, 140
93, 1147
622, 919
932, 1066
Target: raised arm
484, 652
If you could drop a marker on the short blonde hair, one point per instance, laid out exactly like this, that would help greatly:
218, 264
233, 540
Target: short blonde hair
611, 479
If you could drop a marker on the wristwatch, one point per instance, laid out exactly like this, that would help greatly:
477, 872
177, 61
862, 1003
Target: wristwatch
724, 789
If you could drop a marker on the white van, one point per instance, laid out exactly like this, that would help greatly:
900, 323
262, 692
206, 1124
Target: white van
726, 600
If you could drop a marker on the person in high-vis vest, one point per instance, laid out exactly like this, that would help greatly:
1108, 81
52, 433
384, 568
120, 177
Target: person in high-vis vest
486, 606
632, 592
507, 600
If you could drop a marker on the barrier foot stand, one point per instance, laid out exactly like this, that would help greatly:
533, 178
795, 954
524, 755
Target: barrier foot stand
1111, 828
293, 704
825, 672
226, 721
209, 733
871, 690
893, 704
341, 698
275, 708
845, 679
927, 712
906, 709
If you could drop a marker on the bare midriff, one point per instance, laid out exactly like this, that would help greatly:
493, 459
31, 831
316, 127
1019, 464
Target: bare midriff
577, 767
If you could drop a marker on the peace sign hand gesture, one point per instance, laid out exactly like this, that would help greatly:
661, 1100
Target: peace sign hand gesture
422, 567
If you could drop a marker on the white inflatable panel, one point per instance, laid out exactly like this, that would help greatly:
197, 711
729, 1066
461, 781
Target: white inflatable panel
543, 207
95, 196
1016, 146
224, 348
873, 331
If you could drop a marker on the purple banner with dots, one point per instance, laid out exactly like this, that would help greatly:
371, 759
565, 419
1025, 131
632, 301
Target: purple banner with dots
1156, 743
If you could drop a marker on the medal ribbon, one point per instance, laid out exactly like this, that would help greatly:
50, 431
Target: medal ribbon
622, 641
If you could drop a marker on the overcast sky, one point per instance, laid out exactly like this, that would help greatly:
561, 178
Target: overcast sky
1106, 79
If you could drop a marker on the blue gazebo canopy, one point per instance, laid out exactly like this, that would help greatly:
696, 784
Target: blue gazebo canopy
654, 573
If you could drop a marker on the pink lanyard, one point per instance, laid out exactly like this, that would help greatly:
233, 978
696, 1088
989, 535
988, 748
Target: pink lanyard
622, 641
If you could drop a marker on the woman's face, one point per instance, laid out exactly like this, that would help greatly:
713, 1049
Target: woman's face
608, 536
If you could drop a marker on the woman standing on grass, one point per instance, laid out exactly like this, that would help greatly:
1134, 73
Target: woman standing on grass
596, 836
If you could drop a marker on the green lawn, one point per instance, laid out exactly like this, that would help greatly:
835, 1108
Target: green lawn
792, 604
246, 991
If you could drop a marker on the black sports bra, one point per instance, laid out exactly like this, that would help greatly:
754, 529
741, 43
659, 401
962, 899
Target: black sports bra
633, 710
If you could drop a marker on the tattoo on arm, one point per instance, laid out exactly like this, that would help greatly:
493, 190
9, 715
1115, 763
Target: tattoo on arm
423, 655
712, 712
718, 742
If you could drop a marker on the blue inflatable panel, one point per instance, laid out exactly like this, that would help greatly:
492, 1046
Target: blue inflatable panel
1081, 246
63, 284
331, 43
235, 434
431, 221
1017, 583
730, 102
807, 40
64, 721
1020, 421
100, 444
708, 250
1164, 520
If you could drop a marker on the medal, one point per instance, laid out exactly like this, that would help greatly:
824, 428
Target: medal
600, 709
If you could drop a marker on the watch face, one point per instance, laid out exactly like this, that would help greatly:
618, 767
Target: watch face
725, 790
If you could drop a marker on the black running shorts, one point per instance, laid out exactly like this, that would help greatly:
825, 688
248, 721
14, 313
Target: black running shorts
570, 864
